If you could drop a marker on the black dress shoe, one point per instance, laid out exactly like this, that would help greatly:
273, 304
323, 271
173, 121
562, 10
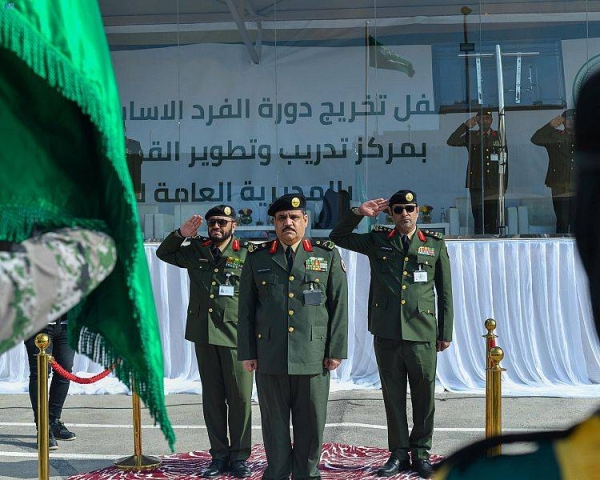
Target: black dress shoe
392, 467
216, 468
422, 466
239, 469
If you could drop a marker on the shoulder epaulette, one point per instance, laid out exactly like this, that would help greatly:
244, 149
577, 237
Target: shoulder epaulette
204, 241
381, 228
437, 235
326, 244
255, 247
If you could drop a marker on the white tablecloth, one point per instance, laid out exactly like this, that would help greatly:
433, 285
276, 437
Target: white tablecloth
536, 291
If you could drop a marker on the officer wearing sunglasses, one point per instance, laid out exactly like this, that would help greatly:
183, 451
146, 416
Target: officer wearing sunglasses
214, 265
409, 266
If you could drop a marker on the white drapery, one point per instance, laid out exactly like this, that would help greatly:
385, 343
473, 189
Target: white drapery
536, 290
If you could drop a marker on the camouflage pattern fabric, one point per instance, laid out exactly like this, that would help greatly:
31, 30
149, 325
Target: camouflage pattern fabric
47, 275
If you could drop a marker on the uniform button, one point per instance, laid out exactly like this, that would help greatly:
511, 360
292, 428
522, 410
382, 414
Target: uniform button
264, 283
290, 312
212, 295
403, 287
426, 262
384, 258
260, 335
403, 302
291, 295
216, 270
210, 310
291, 278
213, 283
406, 259
405, 273
317, 280
291, 329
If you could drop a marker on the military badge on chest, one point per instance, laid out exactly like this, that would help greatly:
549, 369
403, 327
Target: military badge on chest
316, 264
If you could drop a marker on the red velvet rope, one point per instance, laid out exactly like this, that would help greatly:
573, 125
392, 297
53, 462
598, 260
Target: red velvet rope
74, 378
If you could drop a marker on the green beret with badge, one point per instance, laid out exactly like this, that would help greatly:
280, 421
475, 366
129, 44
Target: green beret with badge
290, 201
220, 211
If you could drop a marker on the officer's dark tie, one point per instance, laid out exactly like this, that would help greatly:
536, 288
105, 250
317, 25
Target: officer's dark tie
216, 251
405, 243
289, 255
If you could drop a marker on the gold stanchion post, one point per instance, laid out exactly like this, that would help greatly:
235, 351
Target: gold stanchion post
137, 461
490, 339
42, 341
493, 398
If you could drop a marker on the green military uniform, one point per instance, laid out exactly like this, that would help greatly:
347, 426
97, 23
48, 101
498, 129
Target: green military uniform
290, 332
402, 316
560, 177
483, 178
212, 322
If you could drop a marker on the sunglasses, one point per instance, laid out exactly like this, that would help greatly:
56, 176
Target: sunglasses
408, 208
218, 221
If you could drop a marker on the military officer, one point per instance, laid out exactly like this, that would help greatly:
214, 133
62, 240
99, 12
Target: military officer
409, 267
293, 329
560, 178
214, 265
482, 169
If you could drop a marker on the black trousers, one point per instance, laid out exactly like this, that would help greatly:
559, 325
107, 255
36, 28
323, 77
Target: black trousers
59, 386
484, 205
562, 198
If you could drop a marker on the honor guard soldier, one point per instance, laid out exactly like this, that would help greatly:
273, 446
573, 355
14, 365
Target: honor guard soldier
560, 177
409, 266
293, 329
483, 180
214, 265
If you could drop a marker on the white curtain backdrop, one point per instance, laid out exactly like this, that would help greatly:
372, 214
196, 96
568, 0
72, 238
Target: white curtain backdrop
536, 290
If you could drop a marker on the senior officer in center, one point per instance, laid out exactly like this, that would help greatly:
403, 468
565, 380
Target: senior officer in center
293, 329
214, 265
409, 266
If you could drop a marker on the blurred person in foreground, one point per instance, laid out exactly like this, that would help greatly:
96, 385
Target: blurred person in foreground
64, 169
572, 453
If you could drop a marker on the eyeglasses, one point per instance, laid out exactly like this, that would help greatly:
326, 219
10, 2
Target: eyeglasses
408, 208
221, 222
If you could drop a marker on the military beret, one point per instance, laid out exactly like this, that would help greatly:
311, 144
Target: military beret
403, 197
485, 111
570, 113
220, 211
291, 201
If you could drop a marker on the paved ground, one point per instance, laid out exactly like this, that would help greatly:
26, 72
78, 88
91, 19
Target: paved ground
104, 432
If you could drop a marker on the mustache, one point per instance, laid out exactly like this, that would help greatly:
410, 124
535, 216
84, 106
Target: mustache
289, 228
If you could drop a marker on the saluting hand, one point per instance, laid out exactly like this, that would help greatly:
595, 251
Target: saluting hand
191, 225
372, 208
556, 121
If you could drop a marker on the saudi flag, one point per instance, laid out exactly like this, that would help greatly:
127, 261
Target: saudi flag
381, 56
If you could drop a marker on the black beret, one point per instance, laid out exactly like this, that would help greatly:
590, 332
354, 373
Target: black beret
485, 111
220, 211
403, 197
291, 201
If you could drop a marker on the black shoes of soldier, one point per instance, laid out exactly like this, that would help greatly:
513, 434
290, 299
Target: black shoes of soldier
422, 466
216, 468
60, 432
239, 469
52, 443
393, 466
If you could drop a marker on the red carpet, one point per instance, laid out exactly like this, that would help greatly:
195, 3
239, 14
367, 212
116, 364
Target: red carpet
338, 462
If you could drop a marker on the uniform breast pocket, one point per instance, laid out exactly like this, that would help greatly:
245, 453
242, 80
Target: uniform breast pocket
266, 286
314, 288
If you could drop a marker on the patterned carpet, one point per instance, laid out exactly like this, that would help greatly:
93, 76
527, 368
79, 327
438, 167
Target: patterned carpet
338, 462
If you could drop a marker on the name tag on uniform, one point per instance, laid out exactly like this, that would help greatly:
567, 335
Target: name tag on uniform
420, 276
226, 290
494, 157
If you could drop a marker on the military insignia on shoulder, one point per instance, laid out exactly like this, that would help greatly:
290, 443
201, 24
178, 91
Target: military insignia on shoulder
255, 247
326, 244
381, 228
205, 241
437, 235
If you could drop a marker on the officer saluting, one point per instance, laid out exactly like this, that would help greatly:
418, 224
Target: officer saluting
214, 265
293, 329
406, 264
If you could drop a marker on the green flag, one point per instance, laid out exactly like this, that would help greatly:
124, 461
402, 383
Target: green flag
381, 56
63, 164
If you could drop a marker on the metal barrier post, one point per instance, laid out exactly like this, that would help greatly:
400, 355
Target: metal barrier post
137, 461
490, 339
493, 399
42, 341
